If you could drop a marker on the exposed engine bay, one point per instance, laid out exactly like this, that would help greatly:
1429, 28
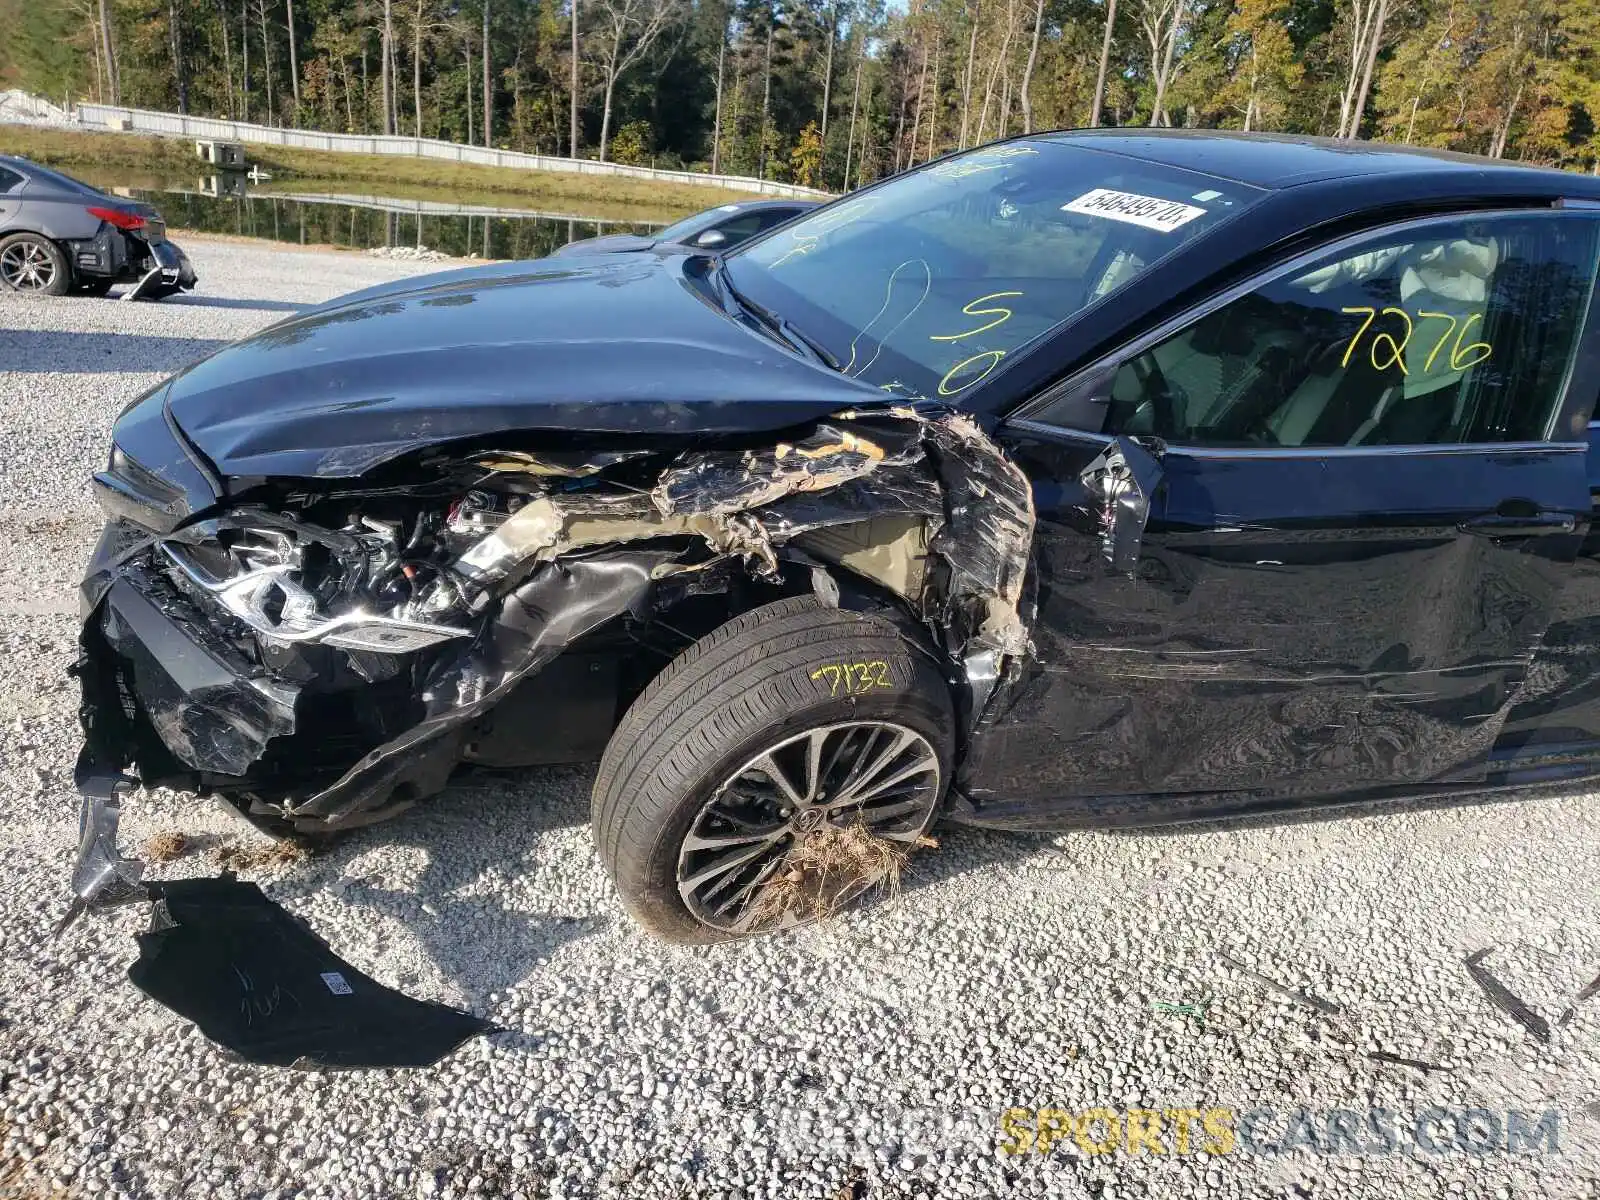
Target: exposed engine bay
344, 647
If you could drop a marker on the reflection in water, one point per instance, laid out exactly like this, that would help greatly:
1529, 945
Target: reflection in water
364, 222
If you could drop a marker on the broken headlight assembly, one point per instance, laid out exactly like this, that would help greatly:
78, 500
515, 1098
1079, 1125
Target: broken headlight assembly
295, 584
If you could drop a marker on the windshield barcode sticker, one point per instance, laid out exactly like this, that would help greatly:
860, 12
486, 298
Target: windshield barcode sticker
337, 984
1151, 212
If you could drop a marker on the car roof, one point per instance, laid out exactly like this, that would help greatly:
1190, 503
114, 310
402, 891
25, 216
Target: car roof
1277, 160
756, 205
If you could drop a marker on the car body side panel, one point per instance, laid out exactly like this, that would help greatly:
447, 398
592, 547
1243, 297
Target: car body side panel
1277, 639
55, 217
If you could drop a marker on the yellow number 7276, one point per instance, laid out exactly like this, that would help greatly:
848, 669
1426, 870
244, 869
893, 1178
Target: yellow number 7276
1461, 355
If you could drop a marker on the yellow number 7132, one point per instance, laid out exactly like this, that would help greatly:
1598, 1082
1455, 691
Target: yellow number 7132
1462, 355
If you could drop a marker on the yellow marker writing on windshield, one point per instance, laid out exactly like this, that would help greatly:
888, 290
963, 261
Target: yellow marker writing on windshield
1001, 316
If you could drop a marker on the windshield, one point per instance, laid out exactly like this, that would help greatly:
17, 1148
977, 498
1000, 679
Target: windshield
925, 284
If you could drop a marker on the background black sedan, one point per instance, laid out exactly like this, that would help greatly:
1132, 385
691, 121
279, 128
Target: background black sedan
720, 228
58, 234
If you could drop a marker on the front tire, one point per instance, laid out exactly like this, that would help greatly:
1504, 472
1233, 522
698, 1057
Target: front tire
791, 723
33, 265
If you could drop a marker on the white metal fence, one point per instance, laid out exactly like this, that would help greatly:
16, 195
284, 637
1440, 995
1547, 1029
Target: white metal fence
176, 125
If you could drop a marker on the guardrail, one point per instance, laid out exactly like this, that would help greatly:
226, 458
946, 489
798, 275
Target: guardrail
433, 208
142, 120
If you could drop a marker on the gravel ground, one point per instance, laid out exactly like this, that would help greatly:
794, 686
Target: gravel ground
868, 1058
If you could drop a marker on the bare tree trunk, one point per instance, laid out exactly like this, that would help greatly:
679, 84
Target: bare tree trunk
1164, 80
766, 101
294, 55
1361, 14
716, 123
1250, 99
1025, 94
266, 55
1105, 57
611, 84
966, 80
1503, 133
175, 37
922, 93
866, 124
827, 71
488, 101
349, 105
109, 48
994, 72
850, 138
99, 74
416, 73
900, 120
385, 66
227, 54
467, 43
1374, 39
572, 142
244, 43
933, 106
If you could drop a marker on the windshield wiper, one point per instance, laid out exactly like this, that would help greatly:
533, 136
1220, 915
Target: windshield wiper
781, 326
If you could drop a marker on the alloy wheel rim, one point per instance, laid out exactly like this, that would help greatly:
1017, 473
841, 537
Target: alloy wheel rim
27, 267
878, 774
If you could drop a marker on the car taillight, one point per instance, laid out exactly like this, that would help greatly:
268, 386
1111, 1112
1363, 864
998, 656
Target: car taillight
122, 220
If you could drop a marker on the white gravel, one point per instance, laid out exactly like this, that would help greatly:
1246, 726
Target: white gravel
868, 1058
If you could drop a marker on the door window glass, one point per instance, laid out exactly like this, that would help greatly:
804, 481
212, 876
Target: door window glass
741, 227
1457, 332
8, 180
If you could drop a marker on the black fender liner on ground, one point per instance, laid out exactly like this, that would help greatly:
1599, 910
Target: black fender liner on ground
260, 983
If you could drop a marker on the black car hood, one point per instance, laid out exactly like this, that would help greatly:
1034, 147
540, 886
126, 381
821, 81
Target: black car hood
617, 346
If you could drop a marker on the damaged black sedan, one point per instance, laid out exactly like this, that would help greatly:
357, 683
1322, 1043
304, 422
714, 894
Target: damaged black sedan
1088, 478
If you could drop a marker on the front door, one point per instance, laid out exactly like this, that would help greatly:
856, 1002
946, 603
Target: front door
1328, 539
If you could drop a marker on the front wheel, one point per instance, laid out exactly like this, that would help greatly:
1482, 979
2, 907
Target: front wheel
775, 771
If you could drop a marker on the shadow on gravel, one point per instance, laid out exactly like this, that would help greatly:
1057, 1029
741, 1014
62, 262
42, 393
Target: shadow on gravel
191, 301
477, 839
40, 352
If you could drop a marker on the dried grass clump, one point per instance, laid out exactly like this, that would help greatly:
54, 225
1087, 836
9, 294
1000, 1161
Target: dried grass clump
827, 868
257, 858
166, 846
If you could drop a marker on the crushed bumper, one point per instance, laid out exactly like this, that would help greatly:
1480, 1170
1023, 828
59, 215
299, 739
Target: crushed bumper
170, 271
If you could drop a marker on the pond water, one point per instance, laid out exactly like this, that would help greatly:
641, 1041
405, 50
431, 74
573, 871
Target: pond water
360, 221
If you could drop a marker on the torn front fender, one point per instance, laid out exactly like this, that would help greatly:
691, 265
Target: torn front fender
920, 504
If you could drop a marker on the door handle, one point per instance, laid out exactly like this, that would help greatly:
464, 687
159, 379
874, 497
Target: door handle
1501, 525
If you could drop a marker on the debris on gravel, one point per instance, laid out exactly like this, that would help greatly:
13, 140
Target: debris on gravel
992, 1031
409, 253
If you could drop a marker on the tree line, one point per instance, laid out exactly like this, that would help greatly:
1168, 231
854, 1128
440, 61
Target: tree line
834, 93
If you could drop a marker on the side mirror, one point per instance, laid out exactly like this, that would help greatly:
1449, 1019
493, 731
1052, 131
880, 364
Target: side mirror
1122, 481
711, 239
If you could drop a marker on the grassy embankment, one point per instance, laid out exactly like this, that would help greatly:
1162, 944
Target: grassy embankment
390, 175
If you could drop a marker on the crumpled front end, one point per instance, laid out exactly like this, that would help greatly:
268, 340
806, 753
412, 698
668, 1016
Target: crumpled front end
323, 656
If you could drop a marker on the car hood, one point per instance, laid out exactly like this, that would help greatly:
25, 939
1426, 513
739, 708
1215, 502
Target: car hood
614, 347
611, 243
